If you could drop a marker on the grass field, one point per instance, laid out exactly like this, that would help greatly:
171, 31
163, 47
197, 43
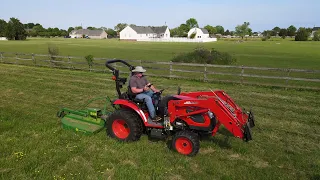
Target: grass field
34, 146
280, 54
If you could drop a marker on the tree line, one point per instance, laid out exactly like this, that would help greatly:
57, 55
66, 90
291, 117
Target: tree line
15, 30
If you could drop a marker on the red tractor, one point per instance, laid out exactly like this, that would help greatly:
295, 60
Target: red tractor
185, 116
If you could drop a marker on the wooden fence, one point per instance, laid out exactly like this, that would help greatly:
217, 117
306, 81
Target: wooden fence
297, 78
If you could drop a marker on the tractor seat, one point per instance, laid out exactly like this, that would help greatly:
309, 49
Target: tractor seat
138, 100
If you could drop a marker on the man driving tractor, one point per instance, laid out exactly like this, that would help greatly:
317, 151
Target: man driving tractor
144, 90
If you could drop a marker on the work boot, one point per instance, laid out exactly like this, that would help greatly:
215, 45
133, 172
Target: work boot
156, 119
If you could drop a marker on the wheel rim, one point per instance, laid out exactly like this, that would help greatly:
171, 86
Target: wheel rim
184, 145
120, 128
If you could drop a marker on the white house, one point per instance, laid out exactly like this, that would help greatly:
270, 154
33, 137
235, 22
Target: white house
3, 39
92, 34
136, 33
200, 33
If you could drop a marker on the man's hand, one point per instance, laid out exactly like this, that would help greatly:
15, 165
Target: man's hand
146, 88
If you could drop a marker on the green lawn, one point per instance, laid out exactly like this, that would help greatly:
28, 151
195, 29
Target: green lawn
281, 54
34, 146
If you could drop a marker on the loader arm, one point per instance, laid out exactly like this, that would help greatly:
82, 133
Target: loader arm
226, 111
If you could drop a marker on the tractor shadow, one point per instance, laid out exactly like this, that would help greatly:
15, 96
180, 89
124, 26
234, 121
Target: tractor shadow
223, 142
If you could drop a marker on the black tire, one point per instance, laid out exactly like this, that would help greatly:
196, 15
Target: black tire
131, 122
186, 143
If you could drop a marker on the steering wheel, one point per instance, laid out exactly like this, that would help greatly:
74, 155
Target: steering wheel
160, 92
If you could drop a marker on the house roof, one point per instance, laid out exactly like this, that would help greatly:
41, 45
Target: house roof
87, 32
149, 29
204, 31
316, 29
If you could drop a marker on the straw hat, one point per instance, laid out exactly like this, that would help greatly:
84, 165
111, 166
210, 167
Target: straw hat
139, 69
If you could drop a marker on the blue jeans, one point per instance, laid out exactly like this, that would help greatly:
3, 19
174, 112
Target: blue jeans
147, 98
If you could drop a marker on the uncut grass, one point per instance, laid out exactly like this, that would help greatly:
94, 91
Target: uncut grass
283, 54
285, 141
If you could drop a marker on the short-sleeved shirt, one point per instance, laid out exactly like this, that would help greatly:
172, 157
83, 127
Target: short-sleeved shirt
138, 82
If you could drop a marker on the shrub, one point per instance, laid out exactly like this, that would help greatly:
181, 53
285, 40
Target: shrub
89, 59
302, 35
316, 36
203, 56
193, 35
53, 51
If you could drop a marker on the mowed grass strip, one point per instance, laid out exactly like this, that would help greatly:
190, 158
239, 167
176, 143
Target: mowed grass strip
34, 146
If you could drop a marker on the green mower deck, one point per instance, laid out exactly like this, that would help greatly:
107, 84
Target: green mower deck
88, 121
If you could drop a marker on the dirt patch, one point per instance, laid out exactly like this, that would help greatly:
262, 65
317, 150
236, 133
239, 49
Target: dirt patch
261, 164
234, 156
129, 162
207, 151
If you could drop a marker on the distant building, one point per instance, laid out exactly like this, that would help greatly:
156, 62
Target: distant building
3, 39
135, 33
200, 33
314, 30
92, 34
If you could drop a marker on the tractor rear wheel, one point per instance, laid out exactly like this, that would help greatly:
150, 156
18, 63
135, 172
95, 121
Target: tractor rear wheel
124, 125
186, 143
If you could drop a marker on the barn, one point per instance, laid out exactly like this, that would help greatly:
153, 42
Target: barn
200, 33
92, 34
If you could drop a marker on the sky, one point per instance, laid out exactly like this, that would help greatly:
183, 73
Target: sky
262, 15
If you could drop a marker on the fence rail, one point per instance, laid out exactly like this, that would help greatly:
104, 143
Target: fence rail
301, 78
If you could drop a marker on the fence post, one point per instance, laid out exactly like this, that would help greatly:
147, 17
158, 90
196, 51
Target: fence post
288, 75
170, 69
242, 72
16, 58
205, 73
34, 60
1, 56
69, 62
140, 62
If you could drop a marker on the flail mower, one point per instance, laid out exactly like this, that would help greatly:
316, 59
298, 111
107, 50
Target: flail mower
185, 116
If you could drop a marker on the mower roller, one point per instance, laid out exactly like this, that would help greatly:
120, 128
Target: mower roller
185, 116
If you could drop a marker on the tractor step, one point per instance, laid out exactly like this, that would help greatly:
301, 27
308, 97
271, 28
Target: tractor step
80, 126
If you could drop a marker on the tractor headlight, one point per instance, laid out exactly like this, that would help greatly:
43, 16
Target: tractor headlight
211, 115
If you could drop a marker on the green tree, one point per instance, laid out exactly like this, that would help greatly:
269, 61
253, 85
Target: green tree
291, 31
242, 30
3, 26
316, 36
70, 29
63, 32
78, 27
91, 28
220, 29
111, 32
283, 33
15, 30
302, 34
192, 23
275, 31
120, 26
211, 29
227, 32
37, 30
250, 32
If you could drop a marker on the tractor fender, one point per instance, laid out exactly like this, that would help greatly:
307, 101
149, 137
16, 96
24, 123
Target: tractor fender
131, 105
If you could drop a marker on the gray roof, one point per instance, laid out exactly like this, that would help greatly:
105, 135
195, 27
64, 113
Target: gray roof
87, 32
204, 31
149, 29
316, 29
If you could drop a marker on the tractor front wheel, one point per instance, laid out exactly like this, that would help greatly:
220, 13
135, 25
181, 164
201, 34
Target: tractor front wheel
124, 125
186, 143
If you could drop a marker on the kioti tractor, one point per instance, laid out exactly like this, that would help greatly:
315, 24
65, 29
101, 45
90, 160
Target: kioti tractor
185, 116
